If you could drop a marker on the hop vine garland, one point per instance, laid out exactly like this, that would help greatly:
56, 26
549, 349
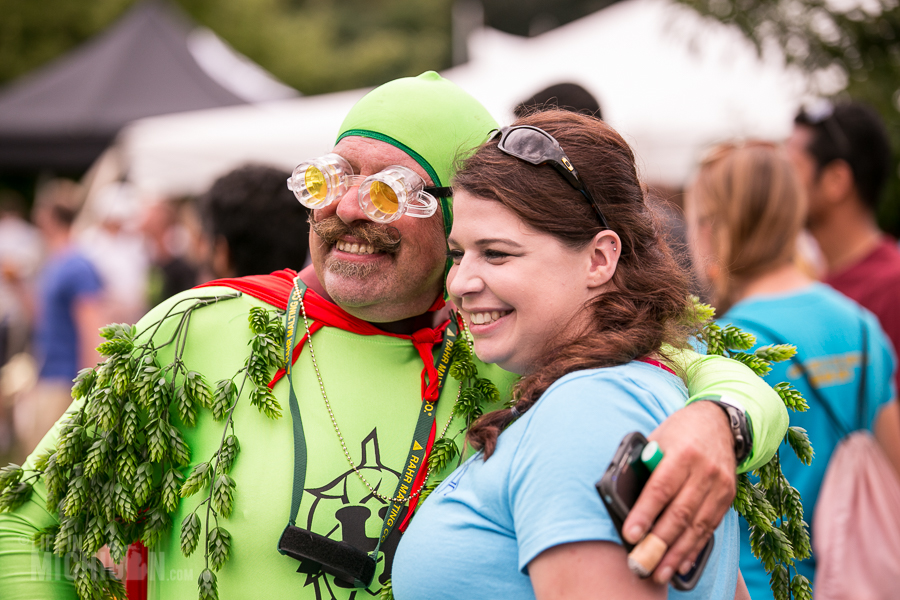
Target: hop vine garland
122, 447
778, 534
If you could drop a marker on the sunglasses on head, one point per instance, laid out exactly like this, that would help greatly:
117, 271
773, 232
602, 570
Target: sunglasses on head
537, 147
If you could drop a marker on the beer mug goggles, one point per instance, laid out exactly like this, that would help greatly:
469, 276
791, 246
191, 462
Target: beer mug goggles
384, 197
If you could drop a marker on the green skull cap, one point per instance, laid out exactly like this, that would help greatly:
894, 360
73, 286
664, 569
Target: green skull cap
430, 118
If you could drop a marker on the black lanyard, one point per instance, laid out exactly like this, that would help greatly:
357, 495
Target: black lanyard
417, 450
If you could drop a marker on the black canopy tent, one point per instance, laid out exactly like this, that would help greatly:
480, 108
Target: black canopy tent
62, 116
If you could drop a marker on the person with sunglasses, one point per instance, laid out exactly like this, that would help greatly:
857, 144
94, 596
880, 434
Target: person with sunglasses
372, 387
561, 276
745, 211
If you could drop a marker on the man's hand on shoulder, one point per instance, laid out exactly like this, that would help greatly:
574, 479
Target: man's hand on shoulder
690, 490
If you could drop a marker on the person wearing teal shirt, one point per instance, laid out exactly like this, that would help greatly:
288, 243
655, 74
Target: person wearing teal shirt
745, 211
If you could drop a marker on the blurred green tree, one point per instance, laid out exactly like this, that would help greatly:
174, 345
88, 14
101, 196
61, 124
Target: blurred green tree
315, 46
855, 43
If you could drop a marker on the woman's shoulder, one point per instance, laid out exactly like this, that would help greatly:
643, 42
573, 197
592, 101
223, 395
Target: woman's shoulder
624, 387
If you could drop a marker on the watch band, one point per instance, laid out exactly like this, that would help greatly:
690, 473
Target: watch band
739, 423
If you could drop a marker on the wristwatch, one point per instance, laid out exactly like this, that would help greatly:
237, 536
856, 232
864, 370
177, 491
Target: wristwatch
740, 425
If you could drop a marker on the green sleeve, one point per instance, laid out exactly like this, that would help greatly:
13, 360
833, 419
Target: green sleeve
711, 375
25, 571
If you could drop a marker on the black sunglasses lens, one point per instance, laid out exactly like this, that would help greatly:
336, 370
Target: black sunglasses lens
529, 145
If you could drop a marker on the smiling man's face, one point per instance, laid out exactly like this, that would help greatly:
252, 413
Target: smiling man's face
365, 274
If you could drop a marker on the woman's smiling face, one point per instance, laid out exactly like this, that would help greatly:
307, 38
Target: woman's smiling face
517, 288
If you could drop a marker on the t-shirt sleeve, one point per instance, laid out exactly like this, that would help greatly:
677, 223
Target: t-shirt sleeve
570, 440
83, 279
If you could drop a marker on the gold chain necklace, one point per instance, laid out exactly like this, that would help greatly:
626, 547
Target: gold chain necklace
337, 429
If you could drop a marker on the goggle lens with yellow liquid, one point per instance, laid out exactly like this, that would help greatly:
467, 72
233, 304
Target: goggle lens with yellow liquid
384, 197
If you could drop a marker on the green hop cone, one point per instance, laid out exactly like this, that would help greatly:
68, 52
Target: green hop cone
124, 503
387, 591
157, 439
223, 398
198, 389
426, 491
130, 418
70, 530
94, 535
185, 406
792, 398
219, 545
76, 496
10, 475
171, 489
443, 451
228, 453
779, 580
798, 440
126, 463
178, 448
198, 478
156, 523
15, 496
83, 383
758, 365
263, 398
223, 495
115, 540
95, 461
190, 534
143, 483
207, 585
115, 347
469, 405
45, 538
488, 390
714, 339
69, 448
776, 353
259, 319
736, 339
462, 370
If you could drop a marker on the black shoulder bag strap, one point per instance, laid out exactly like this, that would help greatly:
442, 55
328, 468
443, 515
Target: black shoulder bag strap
843, 430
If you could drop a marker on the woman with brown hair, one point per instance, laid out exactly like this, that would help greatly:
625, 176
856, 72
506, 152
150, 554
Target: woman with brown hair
566, 281
745, 212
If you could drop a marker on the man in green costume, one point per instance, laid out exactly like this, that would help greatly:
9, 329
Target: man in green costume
368, 364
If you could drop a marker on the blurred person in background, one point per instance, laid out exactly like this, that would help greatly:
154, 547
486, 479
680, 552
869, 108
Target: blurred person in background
745, 211
842, 155
565, 96
167, 242
20, 256
68, 311
115, 246
253, 224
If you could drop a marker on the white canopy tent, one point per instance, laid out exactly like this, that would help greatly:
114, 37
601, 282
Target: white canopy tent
669, 81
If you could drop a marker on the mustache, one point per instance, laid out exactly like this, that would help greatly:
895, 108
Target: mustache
383, 238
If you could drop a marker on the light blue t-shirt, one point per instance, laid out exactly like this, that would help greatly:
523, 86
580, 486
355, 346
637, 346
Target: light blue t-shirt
827, 329
477, 532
